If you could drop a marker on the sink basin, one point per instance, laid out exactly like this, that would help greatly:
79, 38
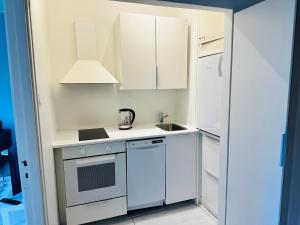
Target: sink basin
170, 127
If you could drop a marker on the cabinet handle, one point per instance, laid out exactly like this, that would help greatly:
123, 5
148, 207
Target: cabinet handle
96, 160
220, 66
98, 203
211, 174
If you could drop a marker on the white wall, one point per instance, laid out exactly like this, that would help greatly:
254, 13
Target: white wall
46, 109
262, 51
81, 106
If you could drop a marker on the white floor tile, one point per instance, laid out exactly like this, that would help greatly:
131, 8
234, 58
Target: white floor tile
124, 220
179, 214
182, 214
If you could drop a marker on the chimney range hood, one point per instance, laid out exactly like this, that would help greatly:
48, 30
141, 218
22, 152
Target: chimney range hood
87, 69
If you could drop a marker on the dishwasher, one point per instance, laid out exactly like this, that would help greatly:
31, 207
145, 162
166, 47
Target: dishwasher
146, 173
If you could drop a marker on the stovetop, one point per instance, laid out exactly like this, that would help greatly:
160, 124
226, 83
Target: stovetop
92, 134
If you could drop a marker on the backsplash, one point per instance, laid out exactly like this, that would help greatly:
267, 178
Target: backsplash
85, 106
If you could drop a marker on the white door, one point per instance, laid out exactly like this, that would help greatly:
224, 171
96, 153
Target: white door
24, 114
181, 168
135, 51
262, 51
172, 52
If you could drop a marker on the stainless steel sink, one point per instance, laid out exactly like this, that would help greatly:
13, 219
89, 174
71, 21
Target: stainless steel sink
170, 127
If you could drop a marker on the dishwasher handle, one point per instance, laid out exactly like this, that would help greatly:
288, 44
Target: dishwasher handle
146, 148
147, 143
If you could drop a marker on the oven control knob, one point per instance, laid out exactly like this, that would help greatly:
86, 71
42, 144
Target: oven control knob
108, 148
82, 152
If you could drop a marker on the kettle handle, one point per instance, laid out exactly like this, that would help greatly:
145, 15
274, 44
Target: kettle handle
133, 116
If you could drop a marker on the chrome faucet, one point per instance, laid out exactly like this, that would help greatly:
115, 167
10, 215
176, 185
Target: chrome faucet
162, 116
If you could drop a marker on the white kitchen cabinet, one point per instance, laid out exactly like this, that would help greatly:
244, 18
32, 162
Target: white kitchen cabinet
181, 168
172, 52
151, 52
210, 173
211, 26
135, 51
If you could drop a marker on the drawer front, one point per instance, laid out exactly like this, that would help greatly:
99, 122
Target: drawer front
93, 150
96, 211
181, 168
211, 152
210, 194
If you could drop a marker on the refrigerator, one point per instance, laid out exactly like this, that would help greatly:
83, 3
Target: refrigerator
209, 94
209, 89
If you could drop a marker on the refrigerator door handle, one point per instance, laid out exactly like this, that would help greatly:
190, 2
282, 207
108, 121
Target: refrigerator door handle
220, 66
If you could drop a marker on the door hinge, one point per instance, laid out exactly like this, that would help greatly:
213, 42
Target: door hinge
24, 163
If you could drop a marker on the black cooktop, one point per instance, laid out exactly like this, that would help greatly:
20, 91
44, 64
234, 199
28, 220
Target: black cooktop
92, 134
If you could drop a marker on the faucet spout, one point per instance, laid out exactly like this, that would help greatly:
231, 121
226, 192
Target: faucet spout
162, 116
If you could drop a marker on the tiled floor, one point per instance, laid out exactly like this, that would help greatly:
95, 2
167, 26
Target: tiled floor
180, 214
15, 215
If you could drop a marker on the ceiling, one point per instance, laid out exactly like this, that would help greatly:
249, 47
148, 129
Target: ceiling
236, 5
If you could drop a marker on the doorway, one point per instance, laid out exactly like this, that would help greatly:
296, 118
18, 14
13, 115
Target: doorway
11, 198
25, 152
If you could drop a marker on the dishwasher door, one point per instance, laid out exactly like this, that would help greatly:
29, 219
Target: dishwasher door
146, 166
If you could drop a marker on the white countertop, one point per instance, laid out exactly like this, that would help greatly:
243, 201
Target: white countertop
70, 138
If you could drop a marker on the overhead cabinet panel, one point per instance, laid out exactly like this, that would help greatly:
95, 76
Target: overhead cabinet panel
172, 52
151, 52
135, 51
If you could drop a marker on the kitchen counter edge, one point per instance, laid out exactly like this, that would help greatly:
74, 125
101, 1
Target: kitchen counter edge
64, 139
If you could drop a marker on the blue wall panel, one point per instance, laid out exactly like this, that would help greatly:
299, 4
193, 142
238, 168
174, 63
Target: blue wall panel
1, 6
6, 111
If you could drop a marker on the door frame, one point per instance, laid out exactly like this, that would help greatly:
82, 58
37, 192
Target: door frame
25, 105
290, 204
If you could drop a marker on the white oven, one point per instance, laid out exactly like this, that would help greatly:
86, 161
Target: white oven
96, 178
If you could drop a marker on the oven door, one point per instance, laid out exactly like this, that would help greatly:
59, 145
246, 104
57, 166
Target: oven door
95, 178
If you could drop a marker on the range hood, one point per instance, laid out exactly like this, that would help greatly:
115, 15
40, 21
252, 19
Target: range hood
87, 69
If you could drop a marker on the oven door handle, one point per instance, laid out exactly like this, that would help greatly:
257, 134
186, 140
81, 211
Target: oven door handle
97, 160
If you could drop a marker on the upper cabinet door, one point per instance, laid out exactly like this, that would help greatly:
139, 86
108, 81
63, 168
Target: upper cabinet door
135, 51
207, 31
172, 52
